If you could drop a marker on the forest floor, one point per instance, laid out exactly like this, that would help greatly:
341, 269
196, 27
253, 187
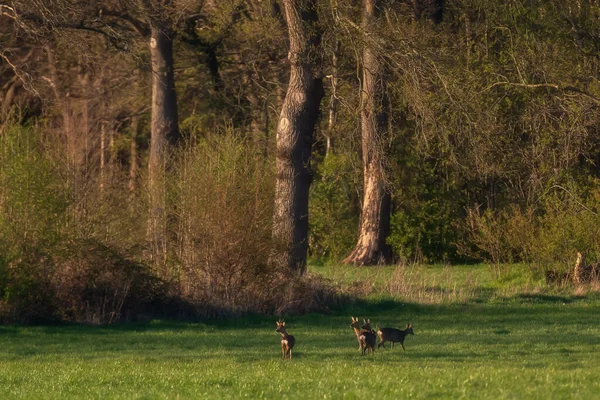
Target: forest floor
488, 340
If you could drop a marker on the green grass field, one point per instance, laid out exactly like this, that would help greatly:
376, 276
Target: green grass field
521, 346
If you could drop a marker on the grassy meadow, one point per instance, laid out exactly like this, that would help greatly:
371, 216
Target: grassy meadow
474, 338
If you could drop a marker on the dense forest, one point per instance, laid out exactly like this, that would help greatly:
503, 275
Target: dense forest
189, 156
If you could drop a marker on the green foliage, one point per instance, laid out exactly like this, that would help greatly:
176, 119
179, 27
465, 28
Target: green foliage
548, 241
333, 207
33, 205
565, 229
61, 259
424, 225
423, 233
33, 198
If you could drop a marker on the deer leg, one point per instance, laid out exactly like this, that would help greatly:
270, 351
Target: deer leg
290, 354
382, 343
402, 343
282, 353
393, 344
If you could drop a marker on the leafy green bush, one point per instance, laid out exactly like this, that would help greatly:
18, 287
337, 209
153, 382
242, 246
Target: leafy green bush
547, 241
33, 205
334, 208
565, 229
54, 260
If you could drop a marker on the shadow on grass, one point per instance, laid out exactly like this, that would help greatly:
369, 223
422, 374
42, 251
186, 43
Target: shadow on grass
543, 298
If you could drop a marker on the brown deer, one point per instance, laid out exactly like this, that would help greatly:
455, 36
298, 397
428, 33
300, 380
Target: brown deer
287, 340
394, 335
365, 336
583, 272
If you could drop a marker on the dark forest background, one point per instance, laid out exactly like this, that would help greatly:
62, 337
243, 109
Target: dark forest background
140, 142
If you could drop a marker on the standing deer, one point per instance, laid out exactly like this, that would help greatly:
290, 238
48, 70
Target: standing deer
365, 336
583, 272
394, 335
287, 340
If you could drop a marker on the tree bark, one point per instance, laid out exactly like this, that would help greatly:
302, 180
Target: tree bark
295, 132
164, 133
371, 248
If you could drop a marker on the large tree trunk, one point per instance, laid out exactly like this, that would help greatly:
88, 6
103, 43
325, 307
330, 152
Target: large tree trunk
295, 132
164, 134
371, 248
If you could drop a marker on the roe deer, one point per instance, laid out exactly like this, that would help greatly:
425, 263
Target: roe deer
370, 337
287, 340
583, 272
394, 335
366, 337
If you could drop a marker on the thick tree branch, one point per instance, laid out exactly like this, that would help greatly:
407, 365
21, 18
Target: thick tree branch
141, 27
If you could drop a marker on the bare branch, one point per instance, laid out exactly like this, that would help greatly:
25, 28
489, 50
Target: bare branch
24, 77
553, 86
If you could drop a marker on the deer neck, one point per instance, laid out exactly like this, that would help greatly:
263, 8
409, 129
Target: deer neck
284, 334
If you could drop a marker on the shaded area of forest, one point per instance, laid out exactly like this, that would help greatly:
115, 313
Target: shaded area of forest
141, 147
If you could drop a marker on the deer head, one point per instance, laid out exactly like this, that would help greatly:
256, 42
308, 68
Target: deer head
280, 326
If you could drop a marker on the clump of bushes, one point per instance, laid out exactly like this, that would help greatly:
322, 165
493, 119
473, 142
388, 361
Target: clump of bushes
72, 249
547, 240
223, 199
334, 207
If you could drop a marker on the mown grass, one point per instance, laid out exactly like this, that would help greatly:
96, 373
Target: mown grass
525, 346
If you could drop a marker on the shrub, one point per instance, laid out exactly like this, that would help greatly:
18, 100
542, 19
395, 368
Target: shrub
334, 208
222, 197
94, 283
33, 210
548, 242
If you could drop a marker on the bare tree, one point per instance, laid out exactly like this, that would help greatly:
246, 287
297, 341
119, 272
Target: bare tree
371, 247
295, 132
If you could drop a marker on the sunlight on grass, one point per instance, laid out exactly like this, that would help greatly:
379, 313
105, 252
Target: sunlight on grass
443, 284
475, 337
534, 350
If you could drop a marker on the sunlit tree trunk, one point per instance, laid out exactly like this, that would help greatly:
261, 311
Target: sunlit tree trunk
333, 100
371, 248
295, 132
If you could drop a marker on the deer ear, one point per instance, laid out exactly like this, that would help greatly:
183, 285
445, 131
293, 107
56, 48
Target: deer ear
283, 324
369, 321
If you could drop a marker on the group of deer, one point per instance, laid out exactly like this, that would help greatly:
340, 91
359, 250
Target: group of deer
364, 334
367, 339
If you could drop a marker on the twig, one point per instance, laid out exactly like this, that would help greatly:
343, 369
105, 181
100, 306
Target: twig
573, 196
